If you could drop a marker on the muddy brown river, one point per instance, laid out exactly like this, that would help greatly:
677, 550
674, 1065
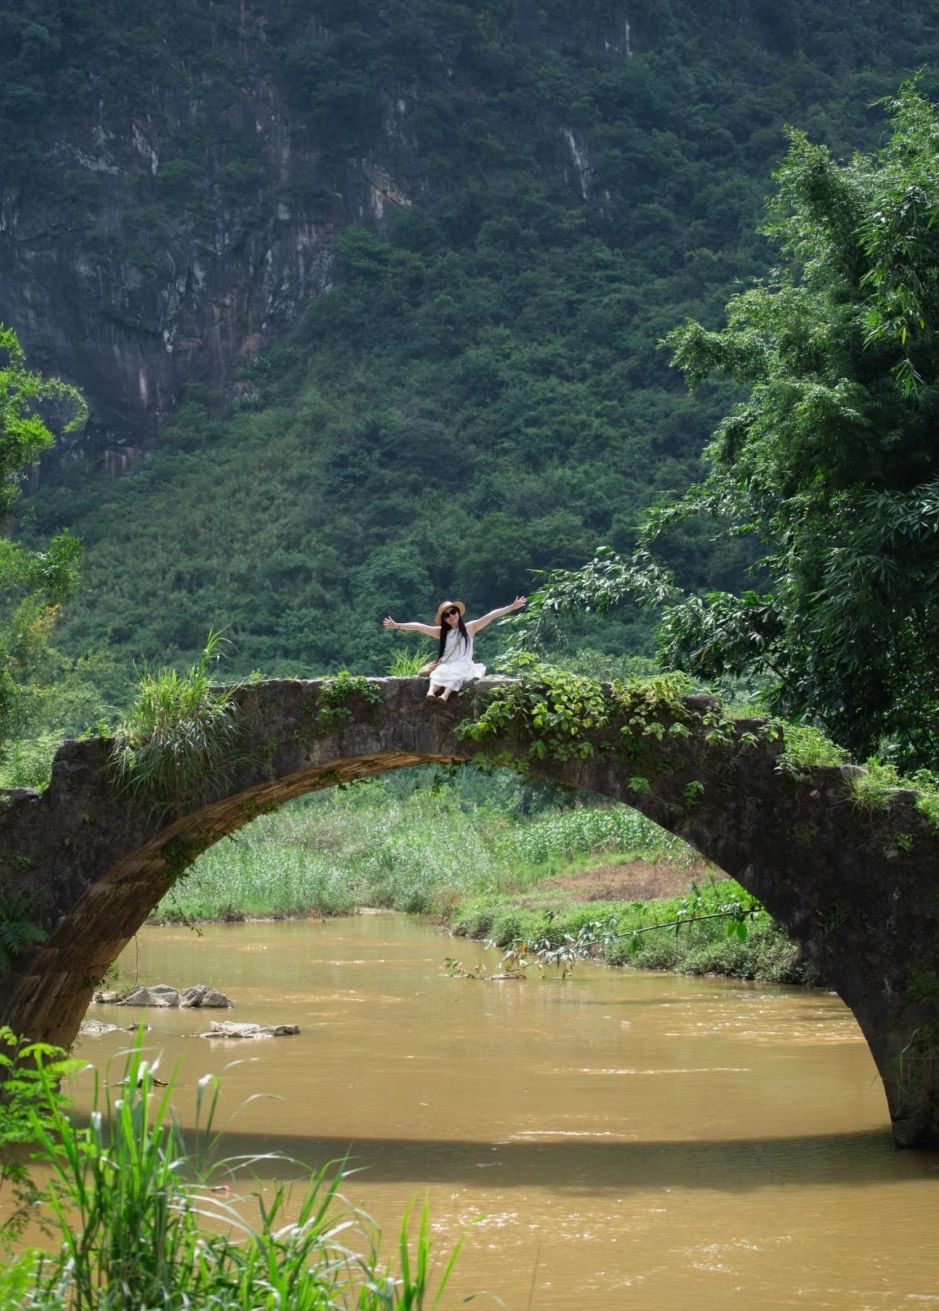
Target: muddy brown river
615, 1140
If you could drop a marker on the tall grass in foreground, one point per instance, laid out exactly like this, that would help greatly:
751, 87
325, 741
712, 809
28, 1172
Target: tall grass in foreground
141, 1223
377, 845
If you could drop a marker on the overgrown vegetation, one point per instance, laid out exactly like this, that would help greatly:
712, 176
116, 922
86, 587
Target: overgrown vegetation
338, 696
828, 459
716, 928
559, 710
180, 735
136, 1221
875, 786
805, 749
400, 844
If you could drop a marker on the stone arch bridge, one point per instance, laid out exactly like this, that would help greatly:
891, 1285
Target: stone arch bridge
857, 889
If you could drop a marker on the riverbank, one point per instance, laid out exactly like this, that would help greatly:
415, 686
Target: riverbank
713, 928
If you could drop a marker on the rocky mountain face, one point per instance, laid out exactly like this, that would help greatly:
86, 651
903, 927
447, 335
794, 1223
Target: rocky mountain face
173, 264
172, 174
183, 198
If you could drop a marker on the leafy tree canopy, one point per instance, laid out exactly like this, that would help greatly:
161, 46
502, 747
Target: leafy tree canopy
33, 583
829, 457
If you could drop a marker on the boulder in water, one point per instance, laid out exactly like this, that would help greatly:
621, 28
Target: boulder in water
229, 1029
160, 994
201, 995
95, 1028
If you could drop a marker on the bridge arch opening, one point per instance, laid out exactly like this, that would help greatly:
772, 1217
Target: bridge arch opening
420, 840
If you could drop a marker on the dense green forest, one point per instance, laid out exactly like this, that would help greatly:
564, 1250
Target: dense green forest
482, 393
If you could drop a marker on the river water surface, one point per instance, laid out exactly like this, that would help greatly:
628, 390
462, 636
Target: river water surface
621, 1139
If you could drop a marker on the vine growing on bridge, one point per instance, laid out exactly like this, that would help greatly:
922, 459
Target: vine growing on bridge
556, 708
561, 713
337, 695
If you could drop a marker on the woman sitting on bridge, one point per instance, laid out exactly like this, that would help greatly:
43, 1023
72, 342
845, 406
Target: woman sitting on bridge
454, 665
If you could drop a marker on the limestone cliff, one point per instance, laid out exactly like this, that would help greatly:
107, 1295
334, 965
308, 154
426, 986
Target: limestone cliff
186, 206
200, 226
172, 173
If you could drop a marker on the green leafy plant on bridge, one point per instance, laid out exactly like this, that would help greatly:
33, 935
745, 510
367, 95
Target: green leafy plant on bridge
337, 696
560, 712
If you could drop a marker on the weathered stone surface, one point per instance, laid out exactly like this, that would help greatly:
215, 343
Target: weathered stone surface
858, 890
229, 1029
202, 996
160, 994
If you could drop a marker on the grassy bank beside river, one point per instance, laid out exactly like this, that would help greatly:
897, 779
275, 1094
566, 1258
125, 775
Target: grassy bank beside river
495, 859
713, 928
402, 844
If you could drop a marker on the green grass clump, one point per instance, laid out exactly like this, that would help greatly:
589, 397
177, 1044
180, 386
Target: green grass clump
30, 1075
874, 789
408, 663
136, 1223
179, 734
807, 748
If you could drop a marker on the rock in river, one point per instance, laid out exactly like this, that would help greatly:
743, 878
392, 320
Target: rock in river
200, 994
229, 1029
95, 1028
159, 994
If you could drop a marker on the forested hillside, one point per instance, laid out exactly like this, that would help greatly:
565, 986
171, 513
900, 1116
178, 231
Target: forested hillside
457, 379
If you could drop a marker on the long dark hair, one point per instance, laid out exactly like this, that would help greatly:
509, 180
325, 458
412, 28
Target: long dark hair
445, 629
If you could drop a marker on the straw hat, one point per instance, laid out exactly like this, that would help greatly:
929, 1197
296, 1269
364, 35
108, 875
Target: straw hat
449, 605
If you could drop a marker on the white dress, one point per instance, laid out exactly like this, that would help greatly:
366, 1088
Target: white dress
457, 666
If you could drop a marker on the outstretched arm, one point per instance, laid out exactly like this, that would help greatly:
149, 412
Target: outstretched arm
475, 625
427, 629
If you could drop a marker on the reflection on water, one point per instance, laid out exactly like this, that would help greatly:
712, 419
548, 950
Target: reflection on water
617, 1140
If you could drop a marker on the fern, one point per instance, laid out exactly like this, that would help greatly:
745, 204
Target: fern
17, 930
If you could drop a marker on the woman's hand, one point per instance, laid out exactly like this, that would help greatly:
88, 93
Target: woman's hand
475, 625
388, 622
